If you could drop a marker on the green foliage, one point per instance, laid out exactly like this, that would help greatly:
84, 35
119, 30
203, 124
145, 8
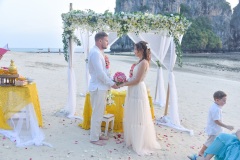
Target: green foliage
143, 8
200, 36
225, 6
185, 10
122, 23
118, 2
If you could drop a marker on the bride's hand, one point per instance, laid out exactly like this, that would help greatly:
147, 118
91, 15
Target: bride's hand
121, 85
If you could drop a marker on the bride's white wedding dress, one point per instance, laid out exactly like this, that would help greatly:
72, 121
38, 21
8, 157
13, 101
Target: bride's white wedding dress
139, 131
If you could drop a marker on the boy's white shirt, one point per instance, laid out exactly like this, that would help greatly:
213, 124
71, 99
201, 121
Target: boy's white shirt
215, 113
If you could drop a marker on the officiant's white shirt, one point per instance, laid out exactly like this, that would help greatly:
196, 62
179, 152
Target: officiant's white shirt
98, 72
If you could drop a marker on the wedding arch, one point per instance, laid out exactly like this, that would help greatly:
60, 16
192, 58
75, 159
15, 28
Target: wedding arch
162, 32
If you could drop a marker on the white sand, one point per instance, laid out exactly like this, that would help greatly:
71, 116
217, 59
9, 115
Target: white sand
72, 142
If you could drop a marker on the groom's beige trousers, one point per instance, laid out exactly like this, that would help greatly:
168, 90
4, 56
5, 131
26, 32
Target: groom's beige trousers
98, 102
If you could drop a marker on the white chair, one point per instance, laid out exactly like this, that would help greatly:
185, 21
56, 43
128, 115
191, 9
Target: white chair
20, 116
107, 118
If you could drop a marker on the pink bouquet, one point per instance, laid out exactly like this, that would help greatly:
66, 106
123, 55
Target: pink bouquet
119, 78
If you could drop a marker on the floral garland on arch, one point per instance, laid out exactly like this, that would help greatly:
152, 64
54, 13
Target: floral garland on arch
123, 23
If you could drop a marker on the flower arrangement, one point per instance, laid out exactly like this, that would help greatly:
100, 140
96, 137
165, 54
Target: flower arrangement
119, 78
123, 23
109, 99
131, 70
107, 62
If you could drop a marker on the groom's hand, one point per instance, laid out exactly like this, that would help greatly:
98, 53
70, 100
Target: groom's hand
121, 85
115, 86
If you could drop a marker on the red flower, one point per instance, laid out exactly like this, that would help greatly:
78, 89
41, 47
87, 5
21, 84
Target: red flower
131, 70
107, 61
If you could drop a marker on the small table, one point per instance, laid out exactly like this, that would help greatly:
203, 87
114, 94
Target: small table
14, 99
117, 109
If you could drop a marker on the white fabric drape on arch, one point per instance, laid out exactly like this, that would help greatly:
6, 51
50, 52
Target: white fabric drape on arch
71, 103
70, 107
159, 44
172, 119
87, 40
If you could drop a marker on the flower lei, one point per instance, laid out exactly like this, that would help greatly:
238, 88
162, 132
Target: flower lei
123, 23
131, 70
110, 96
107, 61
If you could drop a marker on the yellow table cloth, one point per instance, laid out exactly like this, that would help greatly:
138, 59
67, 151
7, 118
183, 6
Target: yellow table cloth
15, 98
116, 109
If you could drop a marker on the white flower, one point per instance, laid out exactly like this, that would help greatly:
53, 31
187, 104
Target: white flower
135, 22
148, 46
109, 99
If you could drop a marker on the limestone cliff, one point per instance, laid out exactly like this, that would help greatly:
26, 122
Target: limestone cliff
234, 40
218, 11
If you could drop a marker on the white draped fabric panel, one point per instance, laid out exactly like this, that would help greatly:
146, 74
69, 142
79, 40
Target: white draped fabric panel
134, 37
85, 41
172, 119
173, 98
112, 38
70, 107
25, 131
163, 50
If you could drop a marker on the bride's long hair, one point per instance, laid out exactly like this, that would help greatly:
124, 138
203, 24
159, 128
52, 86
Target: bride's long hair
142, 45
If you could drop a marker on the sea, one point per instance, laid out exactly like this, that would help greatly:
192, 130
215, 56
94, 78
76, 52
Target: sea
43, 50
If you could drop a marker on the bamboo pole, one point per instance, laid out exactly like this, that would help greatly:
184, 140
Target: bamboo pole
70, 7
167, 99
155, 97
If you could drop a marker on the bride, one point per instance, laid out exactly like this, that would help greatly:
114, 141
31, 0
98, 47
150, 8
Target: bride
139, 131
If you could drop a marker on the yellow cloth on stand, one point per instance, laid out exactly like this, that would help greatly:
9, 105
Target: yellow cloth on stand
117, 109
14, 98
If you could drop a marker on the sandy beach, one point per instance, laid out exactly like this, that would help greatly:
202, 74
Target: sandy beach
196, 82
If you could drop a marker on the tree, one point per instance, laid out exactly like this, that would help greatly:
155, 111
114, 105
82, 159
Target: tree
200, 36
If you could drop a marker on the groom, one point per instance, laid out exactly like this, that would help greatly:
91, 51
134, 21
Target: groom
99, 84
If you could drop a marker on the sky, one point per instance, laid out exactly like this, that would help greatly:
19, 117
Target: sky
38, 23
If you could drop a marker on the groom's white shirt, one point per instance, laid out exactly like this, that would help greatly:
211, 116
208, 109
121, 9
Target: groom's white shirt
98, 72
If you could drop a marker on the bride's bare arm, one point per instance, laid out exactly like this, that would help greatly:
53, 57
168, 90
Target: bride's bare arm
143, 65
